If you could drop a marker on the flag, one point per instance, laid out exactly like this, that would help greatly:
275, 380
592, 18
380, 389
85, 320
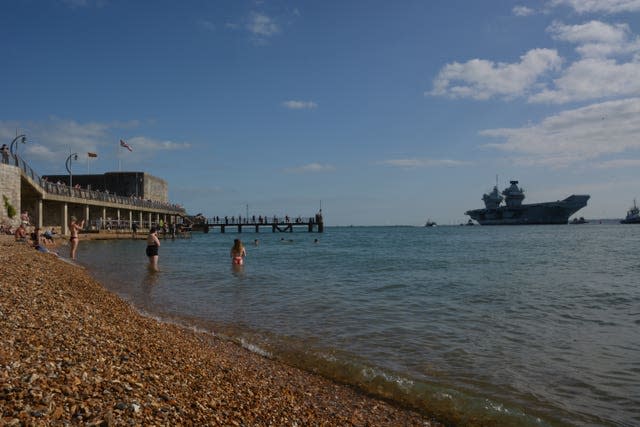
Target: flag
125, 145
92, 154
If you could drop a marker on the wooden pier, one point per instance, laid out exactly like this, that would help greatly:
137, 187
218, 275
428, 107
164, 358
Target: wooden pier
279, 226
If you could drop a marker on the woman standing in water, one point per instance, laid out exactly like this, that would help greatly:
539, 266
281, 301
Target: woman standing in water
74, 227
238, 252
153, 243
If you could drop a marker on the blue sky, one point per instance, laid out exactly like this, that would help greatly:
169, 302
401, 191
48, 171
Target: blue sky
385, 112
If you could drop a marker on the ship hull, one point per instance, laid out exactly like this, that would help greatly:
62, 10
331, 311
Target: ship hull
536, 213
635, 220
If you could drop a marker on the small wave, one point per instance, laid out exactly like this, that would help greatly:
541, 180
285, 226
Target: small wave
255, 348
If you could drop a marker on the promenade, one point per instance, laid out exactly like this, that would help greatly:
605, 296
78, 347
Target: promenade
52, 204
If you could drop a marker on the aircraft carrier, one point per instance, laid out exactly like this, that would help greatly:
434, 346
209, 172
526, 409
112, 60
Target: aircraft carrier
513, 212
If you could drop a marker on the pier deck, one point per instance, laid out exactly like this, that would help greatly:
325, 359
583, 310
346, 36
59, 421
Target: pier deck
279, 226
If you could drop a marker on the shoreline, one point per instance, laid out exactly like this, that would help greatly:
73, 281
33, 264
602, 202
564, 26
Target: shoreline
75, 352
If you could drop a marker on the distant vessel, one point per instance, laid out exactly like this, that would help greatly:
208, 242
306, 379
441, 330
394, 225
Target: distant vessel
515, 213
580, 220
430, 223
633, 215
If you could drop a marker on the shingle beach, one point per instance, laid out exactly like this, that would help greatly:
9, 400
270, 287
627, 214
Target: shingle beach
74, 353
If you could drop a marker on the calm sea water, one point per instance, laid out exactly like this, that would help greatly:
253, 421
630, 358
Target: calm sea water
521, 326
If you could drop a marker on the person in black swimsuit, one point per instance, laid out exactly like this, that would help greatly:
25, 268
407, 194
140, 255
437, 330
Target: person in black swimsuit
153, 243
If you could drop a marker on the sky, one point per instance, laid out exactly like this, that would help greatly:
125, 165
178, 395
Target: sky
378, 112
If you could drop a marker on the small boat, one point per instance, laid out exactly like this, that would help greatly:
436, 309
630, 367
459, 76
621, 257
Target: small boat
580, 220
470, 222
430, 223
633, 215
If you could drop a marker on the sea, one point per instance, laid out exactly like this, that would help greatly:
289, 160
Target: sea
506, 326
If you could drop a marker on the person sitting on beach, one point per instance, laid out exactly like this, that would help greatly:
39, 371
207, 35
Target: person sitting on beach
238, 252
74, 227
47, 237
153, 243
21, 234
36, 237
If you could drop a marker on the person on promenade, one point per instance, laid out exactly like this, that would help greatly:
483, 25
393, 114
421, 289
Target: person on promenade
153, 243
5, 154
74, 227
134, 230
24, 218
238, 252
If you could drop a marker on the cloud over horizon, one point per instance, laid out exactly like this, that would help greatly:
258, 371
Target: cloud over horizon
422, 163
311, 168
586, 133
299, 105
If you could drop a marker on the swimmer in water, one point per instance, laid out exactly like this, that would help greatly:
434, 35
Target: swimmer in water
238, 252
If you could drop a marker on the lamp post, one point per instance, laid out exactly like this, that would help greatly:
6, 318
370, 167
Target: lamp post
20, 138
67, 164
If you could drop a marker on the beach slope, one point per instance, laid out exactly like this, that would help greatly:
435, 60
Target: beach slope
72, 352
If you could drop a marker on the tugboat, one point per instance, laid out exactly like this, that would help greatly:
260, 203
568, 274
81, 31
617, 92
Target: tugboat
430, 223
580, 220
633, 215
515, 213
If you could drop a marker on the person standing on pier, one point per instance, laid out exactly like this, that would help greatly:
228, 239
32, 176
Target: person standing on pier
74, 227
238, 252
153, 243
5, 154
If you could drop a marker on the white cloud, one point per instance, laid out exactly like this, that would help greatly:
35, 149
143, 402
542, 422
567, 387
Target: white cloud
593, 31
299, 105
522, 11
482, 79
262, 25
51, 141
593, 79
311, 168
422, 163
141, 143
574, 135
596, 38
599, 6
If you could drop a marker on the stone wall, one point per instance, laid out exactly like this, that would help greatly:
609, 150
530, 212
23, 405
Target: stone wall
155, 189
9, 187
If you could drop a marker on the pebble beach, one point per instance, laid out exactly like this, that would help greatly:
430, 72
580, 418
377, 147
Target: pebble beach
74, 353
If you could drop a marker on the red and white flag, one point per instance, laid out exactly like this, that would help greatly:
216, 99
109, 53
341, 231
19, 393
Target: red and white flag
125, 145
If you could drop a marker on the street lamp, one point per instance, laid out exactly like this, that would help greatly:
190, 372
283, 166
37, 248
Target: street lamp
20, 138
67, 164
